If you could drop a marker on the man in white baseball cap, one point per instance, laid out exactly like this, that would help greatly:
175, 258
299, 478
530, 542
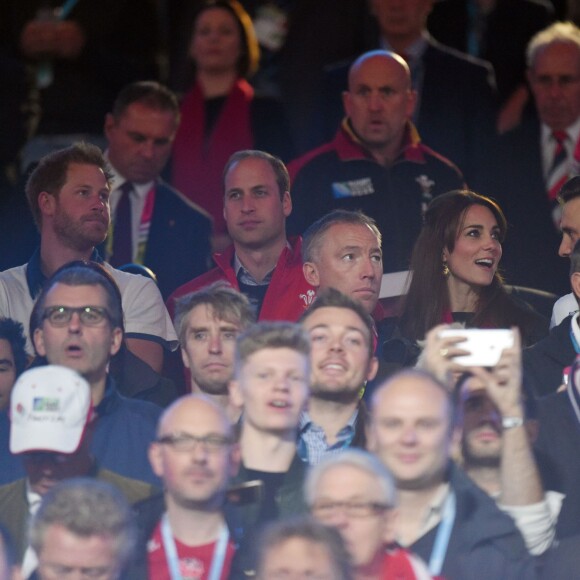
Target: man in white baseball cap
51, 425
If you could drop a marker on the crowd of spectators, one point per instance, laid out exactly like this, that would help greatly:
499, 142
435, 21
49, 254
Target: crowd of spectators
289, 289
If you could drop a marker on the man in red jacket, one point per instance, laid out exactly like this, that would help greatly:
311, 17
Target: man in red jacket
262, 263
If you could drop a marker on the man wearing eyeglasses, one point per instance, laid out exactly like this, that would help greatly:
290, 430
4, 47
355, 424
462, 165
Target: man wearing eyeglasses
184, 533
443, 516
77, 322
51, 429
354, 493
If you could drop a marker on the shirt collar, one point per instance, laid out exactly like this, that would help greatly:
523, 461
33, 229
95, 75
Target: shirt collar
35, 279
351, 145
110, 400
241, 270
34, 499
573, 131
117, 180
306, 422
434, 510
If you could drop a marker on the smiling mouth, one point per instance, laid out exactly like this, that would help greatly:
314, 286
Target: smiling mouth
333, 367
485, 263
279, 404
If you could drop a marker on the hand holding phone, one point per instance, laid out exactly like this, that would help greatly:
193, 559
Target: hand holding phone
484, 345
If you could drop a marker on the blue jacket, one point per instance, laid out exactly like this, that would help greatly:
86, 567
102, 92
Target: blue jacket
484, 542
122, 434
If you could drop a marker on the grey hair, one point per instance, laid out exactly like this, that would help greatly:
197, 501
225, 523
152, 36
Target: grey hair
225, 302
359, 459
311, 531
86, 507
557, 33
313, 237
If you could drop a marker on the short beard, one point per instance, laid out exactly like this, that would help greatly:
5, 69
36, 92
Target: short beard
471, 459
71, 234
344, 395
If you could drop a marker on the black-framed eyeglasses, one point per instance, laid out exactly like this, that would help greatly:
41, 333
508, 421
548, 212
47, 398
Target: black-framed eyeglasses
185, 443
59, 316
353, 509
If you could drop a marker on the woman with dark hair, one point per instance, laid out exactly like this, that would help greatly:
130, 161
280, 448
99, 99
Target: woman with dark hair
220, 114
455, 274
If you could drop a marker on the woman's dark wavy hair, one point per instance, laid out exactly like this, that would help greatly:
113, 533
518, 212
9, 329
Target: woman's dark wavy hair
250, 49
428, 296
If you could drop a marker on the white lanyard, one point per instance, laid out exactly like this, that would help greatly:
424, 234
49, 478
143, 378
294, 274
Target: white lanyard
443, 534
217, 561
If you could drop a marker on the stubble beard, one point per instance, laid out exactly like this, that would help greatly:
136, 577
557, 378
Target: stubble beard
473, 458
345, 394
73, 235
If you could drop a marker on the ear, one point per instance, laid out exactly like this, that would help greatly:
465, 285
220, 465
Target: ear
109, 125
184, 358
530, 77
372, 368
38, 340
575, 283
236, 396
391, 519
445, 255
455, 442
46, 203
116, 341
286, 204
411, 103
235, 459
346, 102
155, 459
311, 273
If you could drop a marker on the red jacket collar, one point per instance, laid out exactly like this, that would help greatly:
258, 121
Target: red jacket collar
349, 146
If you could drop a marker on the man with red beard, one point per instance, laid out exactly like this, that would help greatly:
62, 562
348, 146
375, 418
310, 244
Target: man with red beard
68, 194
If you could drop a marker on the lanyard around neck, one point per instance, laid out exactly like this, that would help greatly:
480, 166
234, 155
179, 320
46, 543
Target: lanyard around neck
443, 534
573, 337
219, 553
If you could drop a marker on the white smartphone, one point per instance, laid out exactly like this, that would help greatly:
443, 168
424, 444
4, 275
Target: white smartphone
485, 345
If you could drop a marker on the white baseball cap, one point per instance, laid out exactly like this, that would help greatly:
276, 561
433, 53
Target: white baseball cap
50, 407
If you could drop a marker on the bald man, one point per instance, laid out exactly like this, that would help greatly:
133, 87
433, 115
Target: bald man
443, 516
376, 163
194, 454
